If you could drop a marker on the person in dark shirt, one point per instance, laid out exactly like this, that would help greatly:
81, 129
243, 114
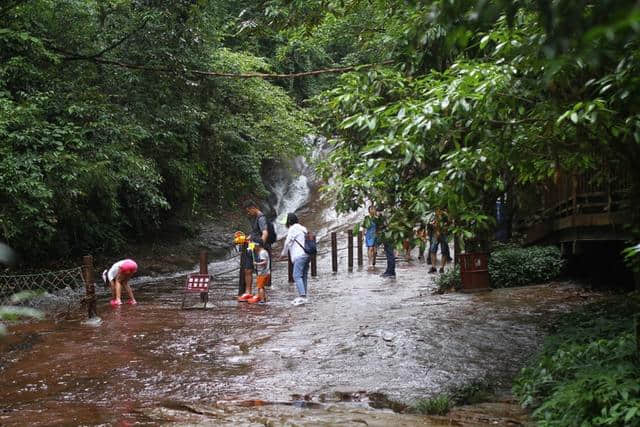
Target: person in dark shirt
259, 234
389, 251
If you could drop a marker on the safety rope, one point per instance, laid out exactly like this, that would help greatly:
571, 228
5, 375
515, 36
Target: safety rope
40, 283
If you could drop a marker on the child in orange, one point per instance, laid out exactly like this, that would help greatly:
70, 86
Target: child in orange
261, 264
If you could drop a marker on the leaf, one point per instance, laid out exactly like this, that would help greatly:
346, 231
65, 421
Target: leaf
605, 88
574, 117
484, 41
630, 414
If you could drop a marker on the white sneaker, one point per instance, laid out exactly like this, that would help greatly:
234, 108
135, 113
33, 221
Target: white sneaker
298, 301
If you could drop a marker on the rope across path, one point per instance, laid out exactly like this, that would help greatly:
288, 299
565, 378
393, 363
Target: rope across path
49, 281
53, 292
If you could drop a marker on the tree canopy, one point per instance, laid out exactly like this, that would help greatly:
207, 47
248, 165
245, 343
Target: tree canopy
93, 154
112, 119
486, 98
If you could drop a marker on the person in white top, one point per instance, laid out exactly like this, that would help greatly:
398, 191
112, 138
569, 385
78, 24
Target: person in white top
294, 245
118, 277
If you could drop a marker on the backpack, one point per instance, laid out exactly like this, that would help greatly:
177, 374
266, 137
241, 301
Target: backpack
271, 239
310, 247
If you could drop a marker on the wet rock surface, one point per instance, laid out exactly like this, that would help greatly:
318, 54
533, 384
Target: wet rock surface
361, 348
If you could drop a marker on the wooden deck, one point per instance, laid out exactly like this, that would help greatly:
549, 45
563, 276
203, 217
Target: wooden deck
578, 208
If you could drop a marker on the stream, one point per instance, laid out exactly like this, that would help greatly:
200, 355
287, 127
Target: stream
361, 351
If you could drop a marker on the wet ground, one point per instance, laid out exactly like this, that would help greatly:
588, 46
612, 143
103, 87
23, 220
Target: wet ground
361, 347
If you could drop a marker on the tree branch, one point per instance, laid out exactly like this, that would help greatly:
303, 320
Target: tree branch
514, 122
99, 60
119, 42
92, 57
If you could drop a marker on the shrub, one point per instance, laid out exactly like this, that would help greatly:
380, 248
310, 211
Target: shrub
523, 266
587, 373
438, 405
448, 280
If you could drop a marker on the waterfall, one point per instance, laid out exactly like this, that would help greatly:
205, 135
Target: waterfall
291, 184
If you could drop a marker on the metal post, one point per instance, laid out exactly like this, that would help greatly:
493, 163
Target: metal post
290, 268
350, 249
334, 252
204, 269
241, 284
314, 265
360, 257
90, 288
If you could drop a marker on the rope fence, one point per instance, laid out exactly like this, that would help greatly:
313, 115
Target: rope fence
61, 290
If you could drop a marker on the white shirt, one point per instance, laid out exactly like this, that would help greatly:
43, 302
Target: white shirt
296, 233
114, 270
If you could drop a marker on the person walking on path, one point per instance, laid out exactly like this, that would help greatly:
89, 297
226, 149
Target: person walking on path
370, 236
294, 245
263, 273
118, 277
389, 251
259, 234
422, 235
440, 238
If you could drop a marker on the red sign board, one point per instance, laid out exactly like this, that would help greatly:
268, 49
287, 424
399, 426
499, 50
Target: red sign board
197, 283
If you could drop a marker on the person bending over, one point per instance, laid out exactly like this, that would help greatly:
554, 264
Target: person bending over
118, 277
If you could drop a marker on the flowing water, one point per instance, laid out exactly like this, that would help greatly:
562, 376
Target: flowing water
360, 343
363, 347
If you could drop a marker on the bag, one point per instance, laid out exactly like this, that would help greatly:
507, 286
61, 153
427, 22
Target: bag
310, 247
272, 237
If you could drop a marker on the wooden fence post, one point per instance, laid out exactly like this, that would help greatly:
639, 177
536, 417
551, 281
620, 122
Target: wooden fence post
89, 285
290, 268
350, 249
360, 256
334, 252
204, 269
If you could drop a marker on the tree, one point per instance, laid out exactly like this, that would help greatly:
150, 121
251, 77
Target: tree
93, 154
512, 94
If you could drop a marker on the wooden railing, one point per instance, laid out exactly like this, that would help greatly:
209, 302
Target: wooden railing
581, 201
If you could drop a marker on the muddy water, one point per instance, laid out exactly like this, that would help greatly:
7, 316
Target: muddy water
361, 343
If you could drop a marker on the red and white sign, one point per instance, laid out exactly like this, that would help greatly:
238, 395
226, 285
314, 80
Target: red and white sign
198, 283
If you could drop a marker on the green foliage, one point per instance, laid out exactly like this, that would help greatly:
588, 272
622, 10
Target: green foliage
487, 98
438, 405
524, 266
587, 373
632, 257
93, 155
449, 280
